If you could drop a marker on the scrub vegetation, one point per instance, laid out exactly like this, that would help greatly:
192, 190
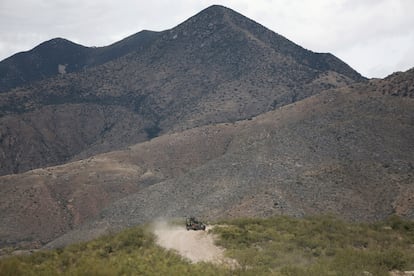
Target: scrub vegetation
280, 245
321, 245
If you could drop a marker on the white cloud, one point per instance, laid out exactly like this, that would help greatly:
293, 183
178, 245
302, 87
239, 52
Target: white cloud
373, 36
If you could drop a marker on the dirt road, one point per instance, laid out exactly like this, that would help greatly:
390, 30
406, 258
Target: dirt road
197, 246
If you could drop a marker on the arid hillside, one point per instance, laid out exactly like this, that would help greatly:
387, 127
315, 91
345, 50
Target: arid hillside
60, 56
346, 151
216, 67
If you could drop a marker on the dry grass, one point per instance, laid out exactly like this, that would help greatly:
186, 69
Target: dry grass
277, 246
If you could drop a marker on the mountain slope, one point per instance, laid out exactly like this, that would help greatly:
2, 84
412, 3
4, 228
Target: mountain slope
346, 151
60, 56
217, 66
48, 59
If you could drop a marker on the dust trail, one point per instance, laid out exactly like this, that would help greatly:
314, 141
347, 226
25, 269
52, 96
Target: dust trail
197, 246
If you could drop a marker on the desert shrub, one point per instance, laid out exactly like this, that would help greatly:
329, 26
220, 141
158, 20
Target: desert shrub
397, 223
130, 252
11, 266
392, 259
322, 245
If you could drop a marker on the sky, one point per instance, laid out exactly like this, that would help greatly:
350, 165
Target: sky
375, 37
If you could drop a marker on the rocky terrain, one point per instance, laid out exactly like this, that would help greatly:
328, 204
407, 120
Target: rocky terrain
345, 151
217, 117
60, 56
216, 67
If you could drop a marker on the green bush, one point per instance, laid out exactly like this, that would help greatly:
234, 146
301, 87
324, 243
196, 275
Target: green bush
397, 223
321, 245
11, 267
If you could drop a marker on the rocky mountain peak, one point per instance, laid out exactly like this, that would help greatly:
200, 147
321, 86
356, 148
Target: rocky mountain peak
224, 28
216, 67
58, 42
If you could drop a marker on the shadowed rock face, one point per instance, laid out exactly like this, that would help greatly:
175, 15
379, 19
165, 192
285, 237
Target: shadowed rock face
57, 56
60, 56
217, 66
345, 151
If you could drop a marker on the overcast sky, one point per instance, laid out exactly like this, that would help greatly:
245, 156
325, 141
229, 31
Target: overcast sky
375, 37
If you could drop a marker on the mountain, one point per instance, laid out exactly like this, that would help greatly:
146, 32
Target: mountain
345, 151
61, 56
47, 59
218, 66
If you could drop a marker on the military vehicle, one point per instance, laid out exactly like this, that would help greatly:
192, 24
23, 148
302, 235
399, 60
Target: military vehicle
192, 223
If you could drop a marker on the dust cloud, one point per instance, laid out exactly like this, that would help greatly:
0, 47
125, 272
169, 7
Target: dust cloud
197, 246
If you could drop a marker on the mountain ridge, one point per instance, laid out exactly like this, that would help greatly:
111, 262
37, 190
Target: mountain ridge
280, 44
93, 56
295, 161
60, 56
200, 72
345, 151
